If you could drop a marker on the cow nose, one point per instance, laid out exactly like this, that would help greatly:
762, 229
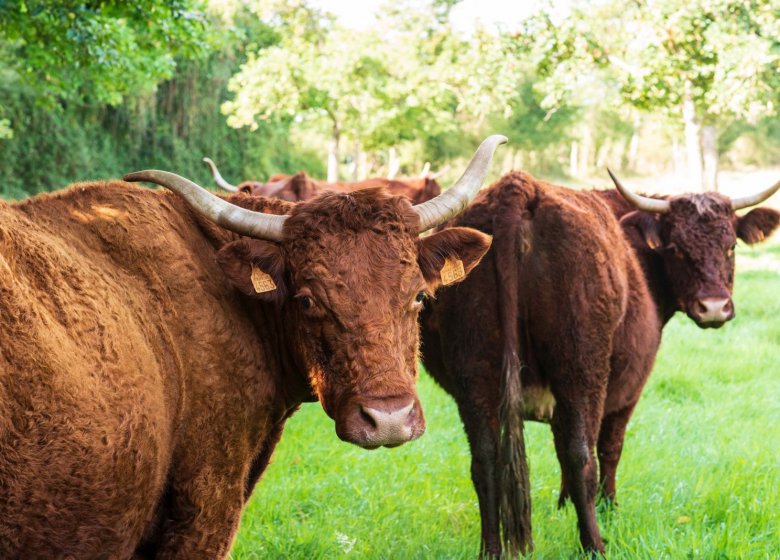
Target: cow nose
387, 427
714, 310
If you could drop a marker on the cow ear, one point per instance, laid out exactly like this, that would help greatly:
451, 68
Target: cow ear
448, 256
642, 229
255, 267
757, 225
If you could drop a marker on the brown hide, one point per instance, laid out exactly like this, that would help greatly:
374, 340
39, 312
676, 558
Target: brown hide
544, 290
563, 282
143, 387
302, 187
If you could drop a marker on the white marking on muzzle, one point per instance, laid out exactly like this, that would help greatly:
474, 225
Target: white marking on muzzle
391, 427
713, 310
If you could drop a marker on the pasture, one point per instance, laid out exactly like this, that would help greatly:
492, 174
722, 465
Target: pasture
699, 477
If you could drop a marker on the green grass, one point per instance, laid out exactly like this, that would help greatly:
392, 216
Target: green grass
699, 477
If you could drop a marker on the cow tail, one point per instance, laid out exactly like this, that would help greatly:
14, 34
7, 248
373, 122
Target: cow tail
514, 487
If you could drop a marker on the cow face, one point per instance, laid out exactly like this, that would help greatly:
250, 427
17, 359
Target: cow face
696, 237
352, 275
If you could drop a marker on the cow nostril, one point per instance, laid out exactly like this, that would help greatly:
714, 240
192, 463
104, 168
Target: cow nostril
368, 418
701, 308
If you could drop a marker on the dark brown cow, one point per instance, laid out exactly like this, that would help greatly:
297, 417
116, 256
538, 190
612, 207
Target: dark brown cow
300, 186
580, 299
153, 346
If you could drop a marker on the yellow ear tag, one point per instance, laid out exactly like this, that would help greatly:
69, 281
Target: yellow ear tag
452, 271
261, 281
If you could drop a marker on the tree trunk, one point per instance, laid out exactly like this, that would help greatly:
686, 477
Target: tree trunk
393, 164
586, 147
574, 159
603, 153
692, 144
333, 156
709, 150
633, 145
355, 160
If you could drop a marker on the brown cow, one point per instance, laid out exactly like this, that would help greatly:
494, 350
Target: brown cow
581, 299
153, 346
302, 187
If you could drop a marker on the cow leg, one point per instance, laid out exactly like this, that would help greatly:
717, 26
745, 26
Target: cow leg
483, 441
564, 494
610, 446
575, 435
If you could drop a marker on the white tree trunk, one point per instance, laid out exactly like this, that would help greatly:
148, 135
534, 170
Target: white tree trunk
586, 147
709, 150
603, 154
692, 144
393, 164
633, 145
333, 157
356, 160
574, 158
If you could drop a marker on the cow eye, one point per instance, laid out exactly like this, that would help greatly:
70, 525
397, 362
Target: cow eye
306, 302
419, 300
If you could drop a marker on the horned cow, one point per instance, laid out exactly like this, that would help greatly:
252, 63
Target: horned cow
154, 344
576, 287
302, 187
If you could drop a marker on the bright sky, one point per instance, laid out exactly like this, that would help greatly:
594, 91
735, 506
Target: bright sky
360, 13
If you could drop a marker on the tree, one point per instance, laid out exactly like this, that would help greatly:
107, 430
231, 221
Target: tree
376, 87
99, 50
706, 62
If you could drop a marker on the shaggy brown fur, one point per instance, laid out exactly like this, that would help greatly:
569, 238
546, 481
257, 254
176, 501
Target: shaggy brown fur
558, 281
143, 386
563, 287
302, 187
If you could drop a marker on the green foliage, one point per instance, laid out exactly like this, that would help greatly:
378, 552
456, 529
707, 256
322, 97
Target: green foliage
377, 88
100, 50
170, 128
723, 54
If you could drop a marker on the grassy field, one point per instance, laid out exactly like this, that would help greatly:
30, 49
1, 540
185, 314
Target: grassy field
699, 478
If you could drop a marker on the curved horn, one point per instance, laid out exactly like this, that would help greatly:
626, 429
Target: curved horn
218, 177
240, 220
452, 201
753, 199
641, 202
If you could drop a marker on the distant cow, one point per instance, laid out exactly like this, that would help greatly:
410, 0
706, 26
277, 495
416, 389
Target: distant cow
302, 187
154, 344
579, 299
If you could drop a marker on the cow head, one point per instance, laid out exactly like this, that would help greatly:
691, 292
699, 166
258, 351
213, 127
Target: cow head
257, 188
695, 235
350, 273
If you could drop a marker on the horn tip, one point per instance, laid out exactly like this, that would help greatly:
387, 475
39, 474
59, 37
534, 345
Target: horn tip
135, 177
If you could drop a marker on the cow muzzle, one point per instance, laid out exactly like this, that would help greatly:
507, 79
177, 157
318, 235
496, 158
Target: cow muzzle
712, 312
389, 422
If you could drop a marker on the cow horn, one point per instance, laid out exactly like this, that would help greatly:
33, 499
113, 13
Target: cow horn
240, 220
753, 199
642, 202
218, 177
452, 201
